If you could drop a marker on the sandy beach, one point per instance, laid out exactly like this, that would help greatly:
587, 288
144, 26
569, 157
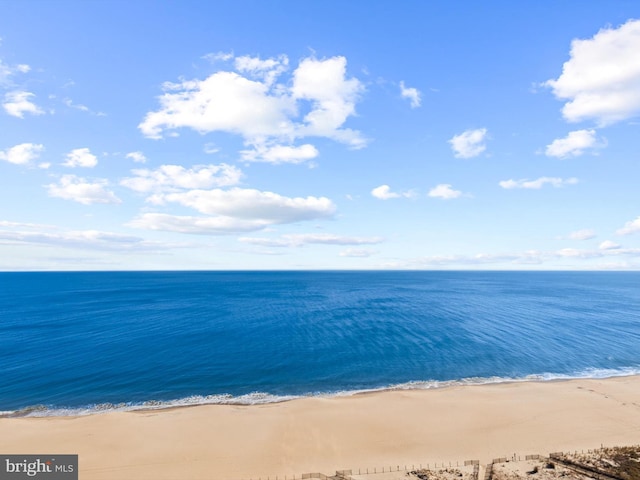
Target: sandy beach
389, 428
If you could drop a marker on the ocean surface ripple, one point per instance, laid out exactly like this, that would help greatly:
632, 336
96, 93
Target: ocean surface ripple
85, 342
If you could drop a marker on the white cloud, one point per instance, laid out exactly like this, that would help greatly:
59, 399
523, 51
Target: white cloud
17, 103
469, 143
280, 154
601, 80
81, 157
444, 191
608, 245
196, 225
22, 154
137, 157
539, 183
78, 106
530, 257
584, 234
71, 187
250, 204
214, 57
172, 177
224, 101
299, 240
267, 70
412, 94
250, 103
630, 227
451, 260
210, 148
358, 252
574, 144
7, 71
34, 234
333, 97
383, 192
576, 253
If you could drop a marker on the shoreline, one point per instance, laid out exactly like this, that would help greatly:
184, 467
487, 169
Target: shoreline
324, 434
265, 398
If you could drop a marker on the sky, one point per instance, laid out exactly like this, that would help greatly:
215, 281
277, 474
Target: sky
166, 135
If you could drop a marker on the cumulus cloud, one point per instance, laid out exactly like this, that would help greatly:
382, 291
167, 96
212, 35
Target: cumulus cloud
601, 80
196, 225
252, 103
608, 245
232, 211
267, 70
584, 234
172, 177
280, 154
225, 101
22, 154
469, 143
81, 157
299, 240
444, 191
137, 157
630, 227
383, 192
574, 144
71, 187
412, 94
333, 98
538, 183
250, 204
17, 103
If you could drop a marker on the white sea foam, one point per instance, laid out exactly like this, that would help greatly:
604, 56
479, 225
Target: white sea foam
261, 398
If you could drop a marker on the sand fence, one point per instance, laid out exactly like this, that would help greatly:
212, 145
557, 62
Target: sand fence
566, 465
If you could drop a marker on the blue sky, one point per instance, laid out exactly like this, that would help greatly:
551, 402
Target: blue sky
319, 135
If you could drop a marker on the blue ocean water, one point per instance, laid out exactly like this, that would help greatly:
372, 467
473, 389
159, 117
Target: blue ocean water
87, 341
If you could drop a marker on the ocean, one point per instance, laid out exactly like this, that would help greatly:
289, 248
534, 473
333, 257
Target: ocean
87, 342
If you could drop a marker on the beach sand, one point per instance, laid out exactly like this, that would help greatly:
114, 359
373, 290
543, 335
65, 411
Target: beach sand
372, 430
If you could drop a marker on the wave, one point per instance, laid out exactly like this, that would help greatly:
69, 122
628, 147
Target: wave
261, 398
